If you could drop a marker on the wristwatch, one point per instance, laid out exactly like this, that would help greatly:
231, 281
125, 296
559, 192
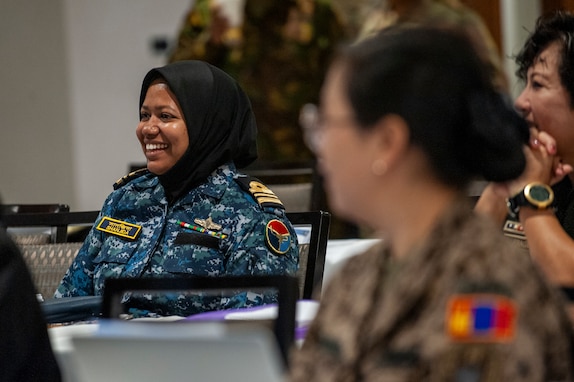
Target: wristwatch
535, 195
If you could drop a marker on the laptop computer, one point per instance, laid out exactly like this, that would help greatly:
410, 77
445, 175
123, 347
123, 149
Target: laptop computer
190, 351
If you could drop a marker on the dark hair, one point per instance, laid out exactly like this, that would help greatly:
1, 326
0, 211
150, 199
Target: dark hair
553, 27
436, 82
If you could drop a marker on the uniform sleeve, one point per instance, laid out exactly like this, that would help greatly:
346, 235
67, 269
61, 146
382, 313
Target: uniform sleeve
266, 245
78, 280
254, 254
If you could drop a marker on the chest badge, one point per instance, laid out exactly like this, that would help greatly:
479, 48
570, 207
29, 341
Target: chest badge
119, 228
207, 224
277, 237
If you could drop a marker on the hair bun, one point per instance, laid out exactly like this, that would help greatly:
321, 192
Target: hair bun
496, 135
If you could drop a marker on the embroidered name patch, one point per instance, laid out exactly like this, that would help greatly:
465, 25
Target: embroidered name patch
277, 237
119, 228
481, 318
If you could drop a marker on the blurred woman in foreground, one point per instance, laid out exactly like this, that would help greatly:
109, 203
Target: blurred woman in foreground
407, 119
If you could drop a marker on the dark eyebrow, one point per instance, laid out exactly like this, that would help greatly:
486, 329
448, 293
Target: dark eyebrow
159, 107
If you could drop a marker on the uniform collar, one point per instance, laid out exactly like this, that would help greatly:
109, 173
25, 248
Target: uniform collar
216, 184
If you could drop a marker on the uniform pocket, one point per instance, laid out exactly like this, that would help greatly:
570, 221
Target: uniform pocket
115, 250
192, 259
198, 239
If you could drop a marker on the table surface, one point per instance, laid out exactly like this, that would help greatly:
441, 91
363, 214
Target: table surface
340, 251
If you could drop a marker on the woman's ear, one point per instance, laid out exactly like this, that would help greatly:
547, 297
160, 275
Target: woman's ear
391, 134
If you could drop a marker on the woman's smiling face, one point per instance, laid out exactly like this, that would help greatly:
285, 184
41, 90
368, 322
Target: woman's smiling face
545, 102
162, 131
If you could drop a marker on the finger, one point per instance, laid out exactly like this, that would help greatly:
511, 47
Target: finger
548, 142
534, 142
560, 171
564, 169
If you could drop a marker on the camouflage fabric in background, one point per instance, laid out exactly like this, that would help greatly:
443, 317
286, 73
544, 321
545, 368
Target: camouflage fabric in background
279, 57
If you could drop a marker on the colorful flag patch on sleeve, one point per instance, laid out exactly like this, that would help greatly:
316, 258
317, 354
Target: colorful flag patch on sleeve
277, 237
481, 318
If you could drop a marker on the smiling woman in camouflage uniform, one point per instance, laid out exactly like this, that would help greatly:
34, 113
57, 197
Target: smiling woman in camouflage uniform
189, 212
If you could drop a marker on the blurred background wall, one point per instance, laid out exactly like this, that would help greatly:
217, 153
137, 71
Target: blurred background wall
70, 77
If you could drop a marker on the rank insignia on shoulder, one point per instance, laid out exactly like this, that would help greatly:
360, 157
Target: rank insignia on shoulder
132, 175
119, 228
262, 194
481, 318
277, 237
514, 229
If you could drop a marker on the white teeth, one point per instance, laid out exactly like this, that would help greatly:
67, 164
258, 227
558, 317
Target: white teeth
155, 146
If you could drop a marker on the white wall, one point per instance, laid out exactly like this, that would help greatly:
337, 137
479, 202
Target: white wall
35, 145
518, 19
108, 55
71, 75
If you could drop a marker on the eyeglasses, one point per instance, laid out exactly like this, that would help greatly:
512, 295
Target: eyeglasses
314, 124
309, 121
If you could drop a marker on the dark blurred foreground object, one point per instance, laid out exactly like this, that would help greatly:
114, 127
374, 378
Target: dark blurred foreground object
71, 309
25, 349
284, 286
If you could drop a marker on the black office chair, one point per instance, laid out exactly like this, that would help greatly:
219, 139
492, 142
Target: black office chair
48, 261
36, 237
60, 221
293, 183
285, 286
312, 253
33, 208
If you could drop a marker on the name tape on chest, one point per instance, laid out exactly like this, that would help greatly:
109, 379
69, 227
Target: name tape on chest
119, 228
481, 318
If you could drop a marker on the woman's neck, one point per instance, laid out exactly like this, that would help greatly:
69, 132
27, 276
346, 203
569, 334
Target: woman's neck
413, 219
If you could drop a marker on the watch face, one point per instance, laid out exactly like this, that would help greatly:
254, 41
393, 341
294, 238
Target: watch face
539, 195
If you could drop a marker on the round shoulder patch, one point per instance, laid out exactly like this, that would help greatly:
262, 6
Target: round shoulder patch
277, 237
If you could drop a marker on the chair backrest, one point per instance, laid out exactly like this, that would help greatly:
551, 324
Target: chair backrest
285, 286
291, 182
35, 237
314, 226
33, 208
61, 221
295, 197
48, 263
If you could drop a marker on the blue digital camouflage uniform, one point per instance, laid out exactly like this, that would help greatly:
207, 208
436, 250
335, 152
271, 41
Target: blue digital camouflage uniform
253, 243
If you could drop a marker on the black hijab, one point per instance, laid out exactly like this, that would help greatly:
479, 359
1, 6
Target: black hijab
219, 120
